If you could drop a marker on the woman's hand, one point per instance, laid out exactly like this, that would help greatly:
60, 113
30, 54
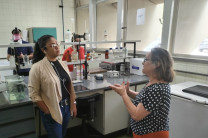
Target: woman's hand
120, 89
127, 87
21, 56
74, 110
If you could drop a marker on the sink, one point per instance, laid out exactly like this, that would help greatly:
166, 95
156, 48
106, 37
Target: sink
79, 88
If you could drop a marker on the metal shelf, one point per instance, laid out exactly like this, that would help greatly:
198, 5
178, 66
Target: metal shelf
71, 43
100, 42
7, 68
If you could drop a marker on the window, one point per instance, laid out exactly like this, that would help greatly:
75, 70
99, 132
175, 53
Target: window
191, 27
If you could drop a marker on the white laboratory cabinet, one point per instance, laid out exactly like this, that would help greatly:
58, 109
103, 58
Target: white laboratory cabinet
188, 113
112, 114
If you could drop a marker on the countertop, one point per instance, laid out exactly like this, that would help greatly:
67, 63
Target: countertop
91, 84
176, 89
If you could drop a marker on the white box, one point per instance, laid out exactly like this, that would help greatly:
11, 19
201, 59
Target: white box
113, 74
136, 66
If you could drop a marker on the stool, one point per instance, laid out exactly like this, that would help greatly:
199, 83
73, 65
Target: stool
86, 110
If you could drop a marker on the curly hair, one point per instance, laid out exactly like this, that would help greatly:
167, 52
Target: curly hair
40, 44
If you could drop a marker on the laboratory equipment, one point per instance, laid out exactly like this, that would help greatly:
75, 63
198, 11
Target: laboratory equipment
99, 76
16, 87
111, 56
113, 74
136, 66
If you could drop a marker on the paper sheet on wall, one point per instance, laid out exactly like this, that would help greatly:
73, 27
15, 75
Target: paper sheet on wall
140, 19
24, 35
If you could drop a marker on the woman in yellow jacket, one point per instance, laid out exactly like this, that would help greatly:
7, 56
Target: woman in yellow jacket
50, 87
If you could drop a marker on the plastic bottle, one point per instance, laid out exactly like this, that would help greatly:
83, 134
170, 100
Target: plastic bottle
106, 54
111, 56
99, 56
116, 52
88, 55
68, 57
79, 72
121, 52
12, 61
26, 60
68, 36
125, 52
74, 54
74, 73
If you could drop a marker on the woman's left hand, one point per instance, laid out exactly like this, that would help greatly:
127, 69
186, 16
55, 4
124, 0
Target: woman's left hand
74, 110
120, 89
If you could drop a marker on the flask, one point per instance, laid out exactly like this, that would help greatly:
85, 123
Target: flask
106, 54
68, 36
111, 56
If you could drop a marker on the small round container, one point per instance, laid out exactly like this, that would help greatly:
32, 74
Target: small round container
122, 68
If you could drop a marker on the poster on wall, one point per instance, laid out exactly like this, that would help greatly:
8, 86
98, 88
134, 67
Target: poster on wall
140, 19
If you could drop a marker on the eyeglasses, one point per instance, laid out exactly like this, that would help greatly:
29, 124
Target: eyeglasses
54, 45
146, 59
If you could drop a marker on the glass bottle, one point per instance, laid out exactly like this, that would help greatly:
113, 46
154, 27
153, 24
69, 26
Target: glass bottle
106, 54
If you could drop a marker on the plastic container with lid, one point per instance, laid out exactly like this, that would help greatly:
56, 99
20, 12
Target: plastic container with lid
88, 55
121, 52
99, 56
68, 36
116, 52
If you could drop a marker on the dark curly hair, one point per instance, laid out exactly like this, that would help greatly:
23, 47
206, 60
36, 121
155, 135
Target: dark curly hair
40, 44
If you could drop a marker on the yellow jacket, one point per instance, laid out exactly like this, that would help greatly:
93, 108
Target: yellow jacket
44, 85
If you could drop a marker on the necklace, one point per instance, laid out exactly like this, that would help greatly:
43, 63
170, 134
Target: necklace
62, 80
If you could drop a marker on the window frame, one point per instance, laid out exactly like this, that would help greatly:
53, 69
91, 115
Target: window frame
170, 44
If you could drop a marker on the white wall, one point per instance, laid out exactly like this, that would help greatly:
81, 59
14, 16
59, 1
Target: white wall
107, 20
33, 13
151, 30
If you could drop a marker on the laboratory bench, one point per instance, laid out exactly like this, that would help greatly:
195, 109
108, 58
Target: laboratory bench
188, 112
19, 119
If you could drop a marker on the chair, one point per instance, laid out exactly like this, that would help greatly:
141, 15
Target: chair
86, 110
